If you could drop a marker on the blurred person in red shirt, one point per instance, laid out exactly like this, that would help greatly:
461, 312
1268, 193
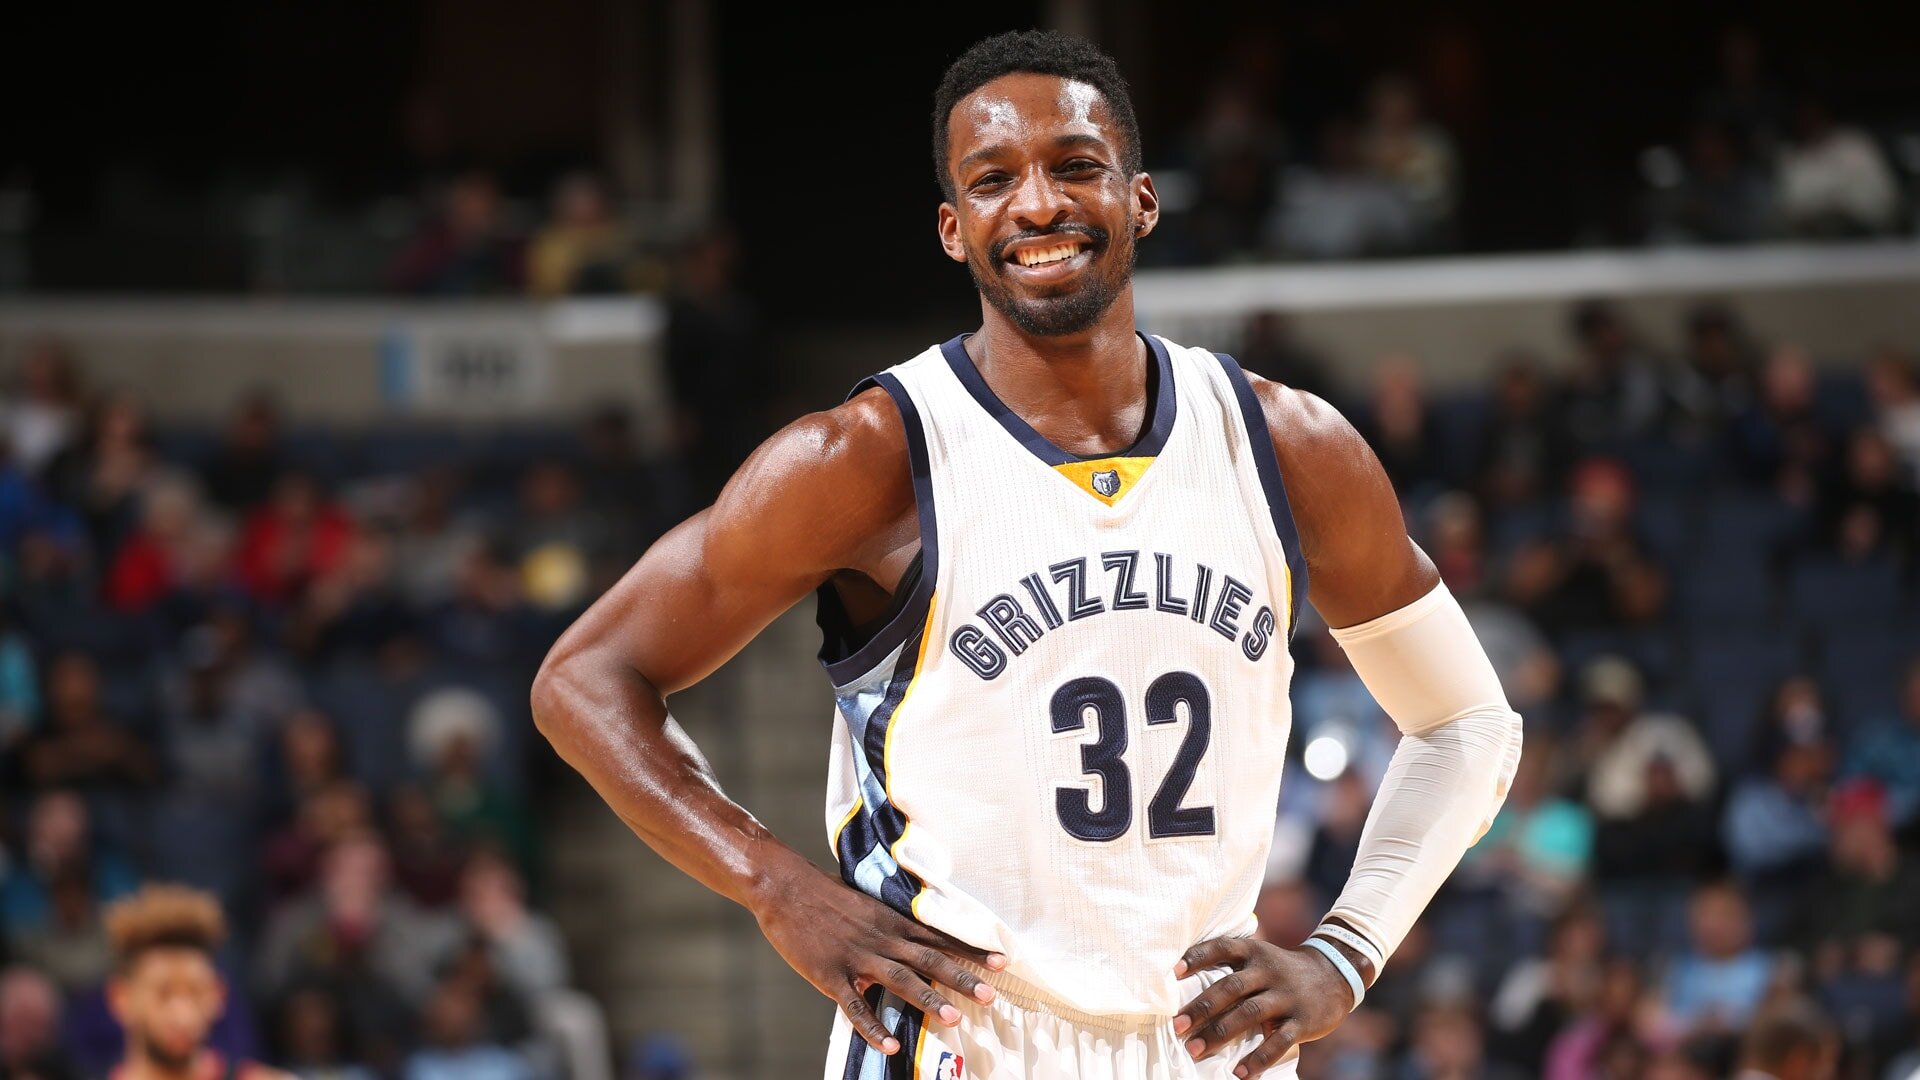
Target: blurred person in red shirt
466, 250
166, 992
296, 537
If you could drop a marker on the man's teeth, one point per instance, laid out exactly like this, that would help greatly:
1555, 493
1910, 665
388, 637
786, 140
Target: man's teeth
1042, 256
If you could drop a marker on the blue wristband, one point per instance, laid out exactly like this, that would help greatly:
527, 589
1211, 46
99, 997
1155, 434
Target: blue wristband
1341, 964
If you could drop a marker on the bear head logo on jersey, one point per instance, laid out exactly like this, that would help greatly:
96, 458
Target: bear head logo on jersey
950, 1067
1107, 483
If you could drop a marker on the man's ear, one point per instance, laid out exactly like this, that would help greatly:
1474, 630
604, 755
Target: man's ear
949, 226
117, 999
1146, 205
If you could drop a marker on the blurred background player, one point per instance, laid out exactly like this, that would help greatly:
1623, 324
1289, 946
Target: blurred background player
166, 992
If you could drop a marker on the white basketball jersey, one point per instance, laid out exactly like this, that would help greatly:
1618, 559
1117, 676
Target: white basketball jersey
1065, 740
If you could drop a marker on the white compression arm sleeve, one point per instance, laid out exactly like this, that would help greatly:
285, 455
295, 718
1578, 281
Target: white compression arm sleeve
1459, 747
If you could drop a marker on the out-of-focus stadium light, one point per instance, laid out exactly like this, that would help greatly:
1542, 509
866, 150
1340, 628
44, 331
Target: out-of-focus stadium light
1325, 757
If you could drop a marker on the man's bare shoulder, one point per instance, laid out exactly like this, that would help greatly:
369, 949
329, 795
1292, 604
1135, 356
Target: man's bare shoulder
1307, 433
832, 483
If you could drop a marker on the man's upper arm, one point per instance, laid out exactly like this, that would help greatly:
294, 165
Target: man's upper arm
1360, 562
813, 499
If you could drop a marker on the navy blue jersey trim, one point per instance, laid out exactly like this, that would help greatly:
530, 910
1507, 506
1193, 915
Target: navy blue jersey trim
881, 826
1267, 464
1163, 402
849, 652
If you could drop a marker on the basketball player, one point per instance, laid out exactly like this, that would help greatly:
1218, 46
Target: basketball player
1058, 562
165, 991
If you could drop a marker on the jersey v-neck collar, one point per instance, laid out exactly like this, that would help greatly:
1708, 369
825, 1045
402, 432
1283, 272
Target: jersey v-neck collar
1162, 404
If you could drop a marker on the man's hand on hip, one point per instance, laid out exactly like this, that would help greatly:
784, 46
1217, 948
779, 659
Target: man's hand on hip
1291, 995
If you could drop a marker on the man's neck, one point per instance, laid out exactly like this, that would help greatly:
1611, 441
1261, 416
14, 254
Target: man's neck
139, 1066
1070, 387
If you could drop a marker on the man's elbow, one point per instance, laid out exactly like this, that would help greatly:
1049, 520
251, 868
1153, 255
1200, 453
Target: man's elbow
551, 692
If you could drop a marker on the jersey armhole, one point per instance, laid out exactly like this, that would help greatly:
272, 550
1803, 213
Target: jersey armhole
1267, 464
849, 652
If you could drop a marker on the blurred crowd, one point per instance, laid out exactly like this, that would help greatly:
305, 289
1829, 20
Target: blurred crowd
1696, 575
1283, 161
290, 667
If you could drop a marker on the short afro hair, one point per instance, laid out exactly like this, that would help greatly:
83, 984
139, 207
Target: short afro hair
164, 916
1039, 52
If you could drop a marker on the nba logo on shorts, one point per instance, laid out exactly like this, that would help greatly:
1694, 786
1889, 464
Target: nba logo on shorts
950, 1067
1107, 483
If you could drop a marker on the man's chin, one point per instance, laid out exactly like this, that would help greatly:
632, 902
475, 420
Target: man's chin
171, 1059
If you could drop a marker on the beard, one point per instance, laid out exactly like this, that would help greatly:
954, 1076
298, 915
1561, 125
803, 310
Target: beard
1070, 312
163, 1055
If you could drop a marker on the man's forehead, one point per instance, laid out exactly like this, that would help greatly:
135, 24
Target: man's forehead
1017, 104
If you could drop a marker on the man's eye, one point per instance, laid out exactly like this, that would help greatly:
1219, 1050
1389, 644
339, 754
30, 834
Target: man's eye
1080, 165
990, 179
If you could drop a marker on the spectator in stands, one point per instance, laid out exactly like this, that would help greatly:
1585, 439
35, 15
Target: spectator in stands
1448, 1044
455, 1047
485, 622
306, 759
1906, 1059
19, 688
524, 946
1866, 507
1592, 572
1790, 1041
1833, 179
1862, 909
219, 704
70, 946
147, 566
466, 250
355, 607
1781, 443
1893, 387
1271, 348
1340, 208
1723, 196
42, 417
1528, 668
1887, 750
454, 734
1716, 382
1398, 426
1416, 155
102, 476
1524, 451
1743, 97
714, 360
1775, 825
241, 474
432, 544
427, 859
312, 1038
295, 538
1235, 147
59, 845
1719, 982
584, 249
82, 745
293, 856
1542, 995
1612, 1036
561, 543
1613, 391
30, 1028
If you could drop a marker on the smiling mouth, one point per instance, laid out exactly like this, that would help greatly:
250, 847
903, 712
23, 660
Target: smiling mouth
1042, 256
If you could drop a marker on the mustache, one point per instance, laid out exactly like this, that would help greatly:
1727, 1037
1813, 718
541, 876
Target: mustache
1095, 236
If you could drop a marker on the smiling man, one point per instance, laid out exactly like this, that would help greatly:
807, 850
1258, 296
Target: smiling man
1058, 562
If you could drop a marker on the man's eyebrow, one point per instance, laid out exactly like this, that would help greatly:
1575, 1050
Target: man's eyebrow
1064, 142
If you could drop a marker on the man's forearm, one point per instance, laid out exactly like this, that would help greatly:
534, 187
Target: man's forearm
609, 723
1459, 747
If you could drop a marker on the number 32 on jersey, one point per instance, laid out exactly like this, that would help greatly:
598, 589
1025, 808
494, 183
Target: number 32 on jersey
1105, 757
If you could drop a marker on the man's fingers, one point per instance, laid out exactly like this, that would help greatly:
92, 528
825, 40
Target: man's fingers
1270, 1051
1214, 952
1209, 1003
910, 987
1237, 1019
860, 1014
922, 934
929, 961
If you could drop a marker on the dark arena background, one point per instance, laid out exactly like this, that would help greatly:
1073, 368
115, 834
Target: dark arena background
348, 351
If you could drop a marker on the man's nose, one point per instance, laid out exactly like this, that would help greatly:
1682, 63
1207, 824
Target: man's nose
1038, 202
